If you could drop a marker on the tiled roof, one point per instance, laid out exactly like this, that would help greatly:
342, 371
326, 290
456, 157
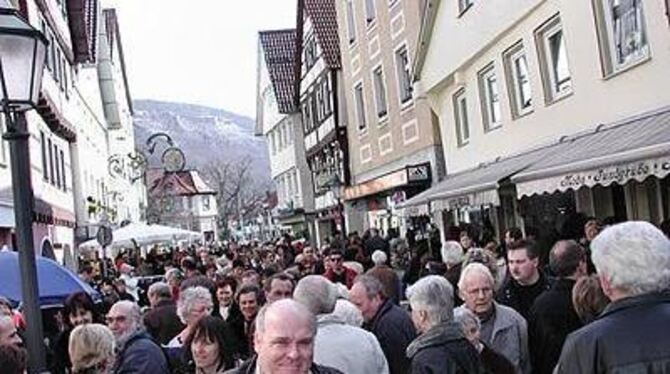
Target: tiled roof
324, 20
279, 51
183, 183
83, 20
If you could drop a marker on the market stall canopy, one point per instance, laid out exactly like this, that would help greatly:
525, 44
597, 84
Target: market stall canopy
55, 282
142, 234
477, 186
632, 149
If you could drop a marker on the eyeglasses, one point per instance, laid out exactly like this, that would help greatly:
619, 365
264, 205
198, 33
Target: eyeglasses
336, 259
117, 319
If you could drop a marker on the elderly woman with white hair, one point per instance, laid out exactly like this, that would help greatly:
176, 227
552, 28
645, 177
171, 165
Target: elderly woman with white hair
194, 303
441, 346
91, 349
386, 275
492, 361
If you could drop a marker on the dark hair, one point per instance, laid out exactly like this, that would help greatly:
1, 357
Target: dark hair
248, 288
565, 257
515, 233
215, 330
13, 359
267, 286
665, 227
528, 244
227, 281
588, 298
79, 300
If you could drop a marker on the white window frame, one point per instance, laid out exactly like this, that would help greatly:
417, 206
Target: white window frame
359, 104
408, 69
380, 92
515, 80
607, 33
553, 89
461, 120
490, 100
351, 22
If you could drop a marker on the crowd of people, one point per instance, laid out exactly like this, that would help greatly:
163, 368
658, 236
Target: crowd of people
599, 303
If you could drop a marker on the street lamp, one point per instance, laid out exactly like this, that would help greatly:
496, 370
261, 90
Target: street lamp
335, 185
22, 57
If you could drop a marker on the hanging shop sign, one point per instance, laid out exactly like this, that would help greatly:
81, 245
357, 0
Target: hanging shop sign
619, 173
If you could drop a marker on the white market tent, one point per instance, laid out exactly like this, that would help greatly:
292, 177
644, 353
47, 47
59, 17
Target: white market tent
142, 234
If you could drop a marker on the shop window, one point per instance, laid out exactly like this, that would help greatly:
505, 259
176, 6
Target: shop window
490, 98
622, 32
553, 60
518, 80
461, 118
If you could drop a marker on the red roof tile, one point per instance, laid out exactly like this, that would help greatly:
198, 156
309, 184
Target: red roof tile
279, 51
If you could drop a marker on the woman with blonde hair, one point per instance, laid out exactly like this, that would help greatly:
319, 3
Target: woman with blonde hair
92, 349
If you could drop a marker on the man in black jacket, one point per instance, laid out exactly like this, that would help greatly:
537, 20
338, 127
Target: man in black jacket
526, 282
162, 322
441, 347
631, 336
553, 316
388, 322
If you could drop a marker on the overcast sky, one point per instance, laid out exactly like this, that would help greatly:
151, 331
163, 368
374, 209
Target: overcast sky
197, 51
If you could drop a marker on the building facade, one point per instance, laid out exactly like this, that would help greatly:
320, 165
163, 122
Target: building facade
318, 87
280, 122
548, 108
393, 135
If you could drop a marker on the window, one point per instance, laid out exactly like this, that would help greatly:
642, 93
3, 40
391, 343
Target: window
461, 118
273, 145
52, 178
403, 71
369, 11
360, 106
518, 80
554, 60
62, 171
45, 166
205, 202
310, 53
622, 33
380, 92
57, 166
351, 23
464, 5
490, 98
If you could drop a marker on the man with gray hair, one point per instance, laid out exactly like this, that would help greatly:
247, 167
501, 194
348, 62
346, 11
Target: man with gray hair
284, 341
632, 260
162, 321
441, 346
388, 322
137, 352
387, 276
349, 349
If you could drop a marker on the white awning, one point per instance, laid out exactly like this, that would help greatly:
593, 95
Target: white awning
633, 149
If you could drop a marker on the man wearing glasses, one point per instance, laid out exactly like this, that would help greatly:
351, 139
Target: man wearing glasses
337, 272
136, 351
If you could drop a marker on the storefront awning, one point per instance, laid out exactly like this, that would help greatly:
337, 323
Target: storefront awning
633, 149
477, 186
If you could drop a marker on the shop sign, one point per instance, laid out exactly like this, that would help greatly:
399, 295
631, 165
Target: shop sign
418, 173
620, 174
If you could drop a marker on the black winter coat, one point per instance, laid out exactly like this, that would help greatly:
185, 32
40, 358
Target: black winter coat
630, 336
394, 330
162, 322
551, 319
443, 349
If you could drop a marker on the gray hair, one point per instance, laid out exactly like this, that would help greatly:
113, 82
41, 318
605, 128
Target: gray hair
189, 297
317, 293
634, 257
435, 295
475, 267
132, 312
161, 290
452, 253
89, 345
465, 317
293, 307
174, 273
379, 257
373, 287
348, 313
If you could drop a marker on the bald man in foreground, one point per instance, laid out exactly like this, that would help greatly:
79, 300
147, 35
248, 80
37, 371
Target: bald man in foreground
284, 341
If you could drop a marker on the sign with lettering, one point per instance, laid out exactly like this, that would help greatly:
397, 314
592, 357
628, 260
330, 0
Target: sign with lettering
418, 173
620, 173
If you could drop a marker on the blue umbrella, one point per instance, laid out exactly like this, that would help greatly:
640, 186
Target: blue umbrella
55, 281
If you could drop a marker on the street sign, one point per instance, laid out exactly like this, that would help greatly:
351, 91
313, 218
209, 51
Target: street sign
104, 236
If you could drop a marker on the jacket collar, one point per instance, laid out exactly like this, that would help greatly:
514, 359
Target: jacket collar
436, 335
385, 307
635, 301
502, 320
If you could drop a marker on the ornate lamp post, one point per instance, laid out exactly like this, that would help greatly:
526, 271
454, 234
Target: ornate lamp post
22, 57
335, 185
